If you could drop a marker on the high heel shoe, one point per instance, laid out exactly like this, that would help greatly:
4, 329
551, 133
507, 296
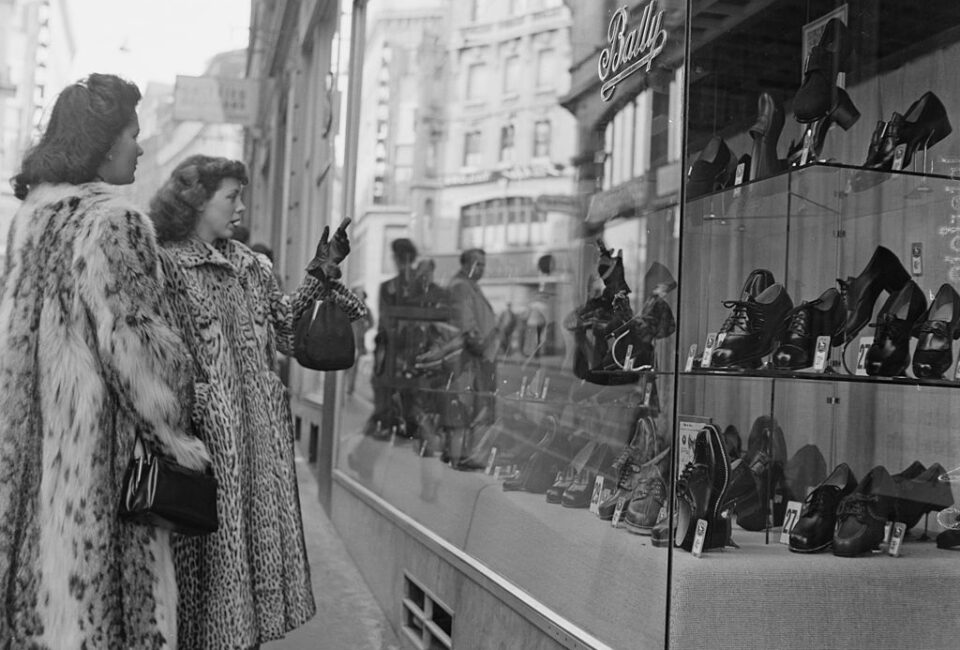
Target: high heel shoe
765, 133
921, 493
883, 272
889, 354
811, 320
712, 171
923, 125
566, 478
936, 331
819, 96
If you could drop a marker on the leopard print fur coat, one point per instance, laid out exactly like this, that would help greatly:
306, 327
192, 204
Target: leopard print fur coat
249, 582
87, 359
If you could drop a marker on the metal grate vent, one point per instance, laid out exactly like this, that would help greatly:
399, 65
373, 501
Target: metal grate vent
427, 622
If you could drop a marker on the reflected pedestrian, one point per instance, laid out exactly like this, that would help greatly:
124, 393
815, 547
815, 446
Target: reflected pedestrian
474, 384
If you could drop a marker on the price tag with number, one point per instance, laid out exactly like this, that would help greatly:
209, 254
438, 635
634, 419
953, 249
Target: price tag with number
790, 520
896, 538
618, 512
699, 537
708, 349
597, 494
691, 357
821, 354
865, 343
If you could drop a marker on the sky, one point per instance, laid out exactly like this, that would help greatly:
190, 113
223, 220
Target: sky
155, 40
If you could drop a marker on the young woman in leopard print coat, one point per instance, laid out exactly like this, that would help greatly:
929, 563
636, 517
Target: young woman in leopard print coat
86, 362
249, 582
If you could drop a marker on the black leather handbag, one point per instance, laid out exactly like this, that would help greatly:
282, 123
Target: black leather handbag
159, 492
323, 338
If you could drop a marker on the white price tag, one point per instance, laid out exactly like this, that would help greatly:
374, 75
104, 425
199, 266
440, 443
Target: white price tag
821, 353
916, 258
896, 538
708, 349
865, 343
597, 494
691, 356
618, 512
790, 520
899, 154
699, 537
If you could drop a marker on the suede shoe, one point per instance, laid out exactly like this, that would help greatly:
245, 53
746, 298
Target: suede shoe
921, 493
646, 502
863, 514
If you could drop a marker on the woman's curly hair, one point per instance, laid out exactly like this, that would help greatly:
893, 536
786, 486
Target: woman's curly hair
175, 208
85, 122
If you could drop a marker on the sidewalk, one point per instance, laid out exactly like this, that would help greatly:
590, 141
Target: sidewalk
348, 618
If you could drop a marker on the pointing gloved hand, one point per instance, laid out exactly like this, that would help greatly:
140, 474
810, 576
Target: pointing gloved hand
330, 252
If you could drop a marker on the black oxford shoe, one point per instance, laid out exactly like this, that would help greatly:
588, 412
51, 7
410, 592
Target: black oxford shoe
936, 332
813, 531
889, 355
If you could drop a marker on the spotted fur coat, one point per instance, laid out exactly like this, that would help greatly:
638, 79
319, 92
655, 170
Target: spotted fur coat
249, 582
87, 359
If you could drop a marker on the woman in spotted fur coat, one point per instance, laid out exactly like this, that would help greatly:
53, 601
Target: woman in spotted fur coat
249, 582
86, 361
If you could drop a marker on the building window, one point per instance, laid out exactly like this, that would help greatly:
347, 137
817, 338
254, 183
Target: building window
506, 143
499, 224
511, 75
471, 149
546, 68
660, 130
541, 139
476, 81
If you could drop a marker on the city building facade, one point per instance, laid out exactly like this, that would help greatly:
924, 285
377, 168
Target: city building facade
36, 52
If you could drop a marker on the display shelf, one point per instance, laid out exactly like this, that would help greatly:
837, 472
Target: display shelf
828, 375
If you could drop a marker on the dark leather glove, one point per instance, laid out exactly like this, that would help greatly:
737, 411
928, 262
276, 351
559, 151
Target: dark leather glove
610, 269
330, 252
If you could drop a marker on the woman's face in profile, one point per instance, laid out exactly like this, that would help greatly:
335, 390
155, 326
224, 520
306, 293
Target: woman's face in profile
121, 164
221, 212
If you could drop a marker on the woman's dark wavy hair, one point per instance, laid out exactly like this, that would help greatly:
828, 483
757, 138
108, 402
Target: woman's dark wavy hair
175, 208
85, 122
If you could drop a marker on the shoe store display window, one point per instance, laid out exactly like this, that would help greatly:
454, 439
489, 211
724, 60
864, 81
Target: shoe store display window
665, 303
818, 316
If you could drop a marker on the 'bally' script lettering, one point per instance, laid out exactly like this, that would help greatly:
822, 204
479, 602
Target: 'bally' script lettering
629, 52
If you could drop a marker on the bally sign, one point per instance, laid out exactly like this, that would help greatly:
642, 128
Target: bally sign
628, 52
